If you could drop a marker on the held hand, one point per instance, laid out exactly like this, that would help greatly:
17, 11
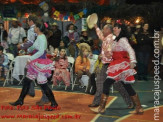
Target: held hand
95, 25
132, 65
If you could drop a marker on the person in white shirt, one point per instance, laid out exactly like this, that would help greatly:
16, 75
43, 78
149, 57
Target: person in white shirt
15, 35
31, 35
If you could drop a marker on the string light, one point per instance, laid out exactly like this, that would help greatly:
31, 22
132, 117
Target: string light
138, 20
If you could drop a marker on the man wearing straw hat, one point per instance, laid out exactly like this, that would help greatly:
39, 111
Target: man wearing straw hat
107, 37
15, 35
55, 39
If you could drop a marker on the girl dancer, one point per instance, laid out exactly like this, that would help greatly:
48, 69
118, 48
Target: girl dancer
38, 67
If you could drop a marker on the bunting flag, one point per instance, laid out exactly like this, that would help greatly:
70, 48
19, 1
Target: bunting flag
57, 13
69, 15
76, 16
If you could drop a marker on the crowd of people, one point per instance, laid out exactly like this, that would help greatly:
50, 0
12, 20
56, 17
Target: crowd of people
120, 46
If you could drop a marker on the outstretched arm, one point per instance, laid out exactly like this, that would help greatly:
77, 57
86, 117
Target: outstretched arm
99, 33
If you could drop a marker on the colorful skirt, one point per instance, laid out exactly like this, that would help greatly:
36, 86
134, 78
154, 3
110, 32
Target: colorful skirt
39, 69
119, 69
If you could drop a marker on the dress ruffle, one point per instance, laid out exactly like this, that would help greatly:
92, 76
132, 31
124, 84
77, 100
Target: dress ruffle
40, 68
119, 69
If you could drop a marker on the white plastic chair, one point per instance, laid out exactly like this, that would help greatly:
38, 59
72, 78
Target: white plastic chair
71, 61
9, 73
84, 81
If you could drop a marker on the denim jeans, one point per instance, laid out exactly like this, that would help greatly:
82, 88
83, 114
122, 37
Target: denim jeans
143, 61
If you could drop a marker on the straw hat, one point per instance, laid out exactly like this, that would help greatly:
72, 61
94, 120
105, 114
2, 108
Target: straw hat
14, 19
84, 29
84, 45
92, 20
88, 18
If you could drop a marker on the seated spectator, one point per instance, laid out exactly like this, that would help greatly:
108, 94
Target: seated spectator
82, 64
3, 64
84, 38
54, 54
62, 45
84, 45
61, 64
71, 38
3, 36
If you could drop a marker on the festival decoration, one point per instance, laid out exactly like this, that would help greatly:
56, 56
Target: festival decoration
57, 13
76, 16
68, 15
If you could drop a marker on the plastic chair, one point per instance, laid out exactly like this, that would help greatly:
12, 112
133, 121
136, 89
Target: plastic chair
9, 73
84, 81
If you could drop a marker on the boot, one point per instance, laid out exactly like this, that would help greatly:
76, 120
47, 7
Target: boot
31, 91
23, 93
139, 109
131, 105
101, 108
50, 96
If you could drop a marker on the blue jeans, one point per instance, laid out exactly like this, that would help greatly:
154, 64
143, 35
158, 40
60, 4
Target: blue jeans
143, 61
